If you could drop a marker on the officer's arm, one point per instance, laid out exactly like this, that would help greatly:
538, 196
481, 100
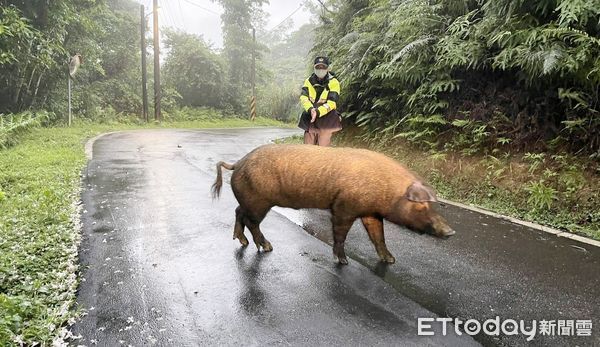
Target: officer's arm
332, 98
304, 97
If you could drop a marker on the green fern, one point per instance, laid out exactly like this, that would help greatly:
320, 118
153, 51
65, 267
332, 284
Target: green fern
541, 196
402, 62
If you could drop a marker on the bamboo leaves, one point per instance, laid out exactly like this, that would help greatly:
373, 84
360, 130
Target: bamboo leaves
403, 62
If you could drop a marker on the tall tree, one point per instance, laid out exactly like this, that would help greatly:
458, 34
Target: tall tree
194, 70
33, 47
238, 20
111, 78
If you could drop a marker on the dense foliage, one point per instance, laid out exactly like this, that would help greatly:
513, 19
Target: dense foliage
238, 18
195, 71
37, 39
286, 68
12, 126
465, 74
198, 75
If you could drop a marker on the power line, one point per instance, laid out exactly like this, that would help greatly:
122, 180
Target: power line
181, 12
174, 15
168, 16
283, 21
325, 7
202, 7
169, 13
163, 18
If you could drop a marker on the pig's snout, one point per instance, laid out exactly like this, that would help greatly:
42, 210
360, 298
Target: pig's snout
440, 228
450, 232
447, 233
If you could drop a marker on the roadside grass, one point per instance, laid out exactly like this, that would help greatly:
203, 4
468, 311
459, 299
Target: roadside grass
12, 126
39, 232
557, 190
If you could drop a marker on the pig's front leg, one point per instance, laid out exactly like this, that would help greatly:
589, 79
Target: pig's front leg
374, 226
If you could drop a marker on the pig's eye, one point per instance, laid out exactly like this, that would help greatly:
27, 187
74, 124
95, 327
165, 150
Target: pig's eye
420, 207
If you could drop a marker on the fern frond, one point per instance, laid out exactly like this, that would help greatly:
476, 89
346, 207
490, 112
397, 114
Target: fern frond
411, 46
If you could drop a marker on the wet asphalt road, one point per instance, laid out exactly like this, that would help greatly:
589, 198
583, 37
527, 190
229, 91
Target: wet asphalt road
490, 268
160, 265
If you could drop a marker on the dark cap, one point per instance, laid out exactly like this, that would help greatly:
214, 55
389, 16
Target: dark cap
322, 61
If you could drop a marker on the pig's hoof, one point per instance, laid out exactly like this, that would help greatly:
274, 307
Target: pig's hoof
343, 261
267, 246
242, 238
389, 259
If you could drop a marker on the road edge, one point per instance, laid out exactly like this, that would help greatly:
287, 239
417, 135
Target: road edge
553, 231
89, 145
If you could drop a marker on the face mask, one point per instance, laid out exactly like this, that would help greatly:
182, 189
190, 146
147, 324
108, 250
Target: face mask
321, 73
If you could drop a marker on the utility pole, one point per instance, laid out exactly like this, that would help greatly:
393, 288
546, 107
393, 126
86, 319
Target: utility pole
253, 100
70, 114
157, 93
74, 64
144, 80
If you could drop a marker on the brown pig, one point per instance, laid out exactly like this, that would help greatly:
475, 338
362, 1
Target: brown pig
352, 183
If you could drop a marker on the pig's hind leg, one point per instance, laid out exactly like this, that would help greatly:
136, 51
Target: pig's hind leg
374, 228
341, 226
238, 230
251, 217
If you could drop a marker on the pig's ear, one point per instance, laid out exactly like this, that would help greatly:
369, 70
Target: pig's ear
418, 192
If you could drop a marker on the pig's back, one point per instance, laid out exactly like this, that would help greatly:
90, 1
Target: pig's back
305, 176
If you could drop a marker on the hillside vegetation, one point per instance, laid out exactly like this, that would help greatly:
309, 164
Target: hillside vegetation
476, 76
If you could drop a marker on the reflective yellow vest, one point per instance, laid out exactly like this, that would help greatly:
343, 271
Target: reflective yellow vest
329, 97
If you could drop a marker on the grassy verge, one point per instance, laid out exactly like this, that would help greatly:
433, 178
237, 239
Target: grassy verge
39, 191
560, 191
12, 126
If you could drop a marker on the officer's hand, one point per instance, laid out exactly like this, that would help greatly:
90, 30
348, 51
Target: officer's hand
313, 115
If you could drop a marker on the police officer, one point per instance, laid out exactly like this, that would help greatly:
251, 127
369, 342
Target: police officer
319, 98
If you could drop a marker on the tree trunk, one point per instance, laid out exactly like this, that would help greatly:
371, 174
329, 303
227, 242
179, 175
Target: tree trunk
21, 82
37, 88
19, 86
27, 91
31, 78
